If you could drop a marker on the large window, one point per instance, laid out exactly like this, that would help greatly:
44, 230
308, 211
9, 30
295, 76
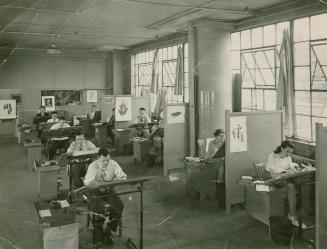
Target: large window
310, 70
165, 73
255, 56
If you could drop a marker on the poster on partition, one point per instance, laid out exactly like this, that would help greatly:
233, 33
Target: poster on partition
108, 99
49, 103
123, 109
8, 109
238, 134
91, 96
175, 114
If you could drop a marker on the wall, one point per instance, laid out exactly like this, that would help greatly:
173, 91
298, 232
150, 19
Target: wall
27, 72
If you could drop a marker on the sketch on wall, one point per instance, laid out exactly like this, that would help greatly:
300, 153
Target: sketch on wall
175, 114
123, 109
91, 96
8, 109
49, 103
238, 134
65, 97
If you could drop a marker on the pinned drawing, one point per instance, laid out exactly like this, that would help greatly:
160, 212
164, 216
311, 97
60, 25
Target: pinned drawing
8, 109
238, 134
108, 99
49, 103
91, 96
175, 114
123, 109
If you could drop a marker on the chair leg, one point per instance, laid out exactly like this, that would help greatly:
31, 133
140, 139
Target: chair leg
120, 227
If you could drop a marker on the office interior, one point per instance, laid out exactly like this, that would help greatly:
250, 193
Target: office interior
195, 66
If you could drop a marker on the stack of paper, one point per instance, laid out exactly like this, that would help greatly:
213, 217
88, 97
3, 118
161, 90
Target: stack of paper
44, 213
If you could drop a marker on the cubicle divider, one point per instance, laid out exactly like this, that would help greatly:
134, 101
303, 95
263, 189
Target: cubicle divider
250, 138
107, 103
176, 138
321, 176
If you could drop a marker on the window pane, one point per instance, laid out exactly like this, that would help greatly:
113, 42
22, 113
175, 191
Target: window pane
319, 104
246, 39
269, 35
280, 27
259, 100
318, 26
186, 50
302, 78
248, 77
235, 41
303, 127
301, 29
248, 60
319, 67
302, 102
236, 60
320, 51
261, 60
301, 54
264, 77
257, 37
246, 99
270, 100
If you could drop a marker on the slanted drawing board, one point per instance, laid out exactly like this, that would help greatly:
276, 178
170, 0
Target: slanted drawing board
321, 176
264, 132
176, 136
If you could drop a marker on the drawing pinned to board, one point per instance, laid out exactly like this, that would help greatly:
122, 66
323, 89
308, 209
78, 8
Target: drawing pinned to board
238, 134
7, 109
175, 114
48, 102
123, 110
91, 96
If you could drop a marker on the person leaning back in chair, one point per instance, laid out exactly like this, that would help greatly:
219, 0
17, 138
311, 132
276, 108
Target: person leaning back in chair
104, 169
78, 171
216, 149
279, 162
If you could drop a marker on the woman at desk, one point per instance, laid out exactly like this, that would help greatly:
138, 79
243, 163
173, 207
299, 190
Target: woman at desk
279, 162
54, 118
78, 169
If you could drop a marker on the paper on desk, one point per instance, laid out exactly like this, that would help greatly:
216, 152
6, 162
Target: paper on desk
44, 213
63, 203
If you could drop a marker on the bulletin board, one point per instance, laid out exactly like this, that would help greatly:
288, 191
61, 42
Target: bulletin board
8, 109
176, 138
261, 133
321, 176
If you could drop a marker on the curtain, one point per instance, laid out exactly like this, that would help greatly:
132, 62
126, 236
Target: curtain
285, 87
154, 76
161, 98
179, 80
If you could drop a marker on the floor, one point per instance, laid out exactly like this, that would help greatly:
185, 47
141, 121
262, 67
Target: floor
171, 218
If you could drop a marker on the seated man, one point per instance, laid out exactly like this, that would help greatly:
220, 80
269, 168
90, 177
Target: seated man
54, 118
78, 170
143, 119
104, 169
57, 142
94, 115
42, 116
111, 126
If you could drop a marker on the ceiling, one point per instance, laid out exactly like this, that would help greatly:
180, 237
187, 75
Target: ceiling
102, 25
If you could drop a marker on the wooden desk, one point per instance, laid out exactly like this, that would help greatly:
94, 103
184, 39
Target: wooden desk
33, 151
60, 229
100, 134
140, 150
47, 181
121, 139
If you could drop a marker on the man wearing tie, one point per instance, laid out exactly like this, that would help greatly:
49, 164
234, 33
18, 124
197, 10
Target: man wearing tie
78, 169
94, 115
104, 169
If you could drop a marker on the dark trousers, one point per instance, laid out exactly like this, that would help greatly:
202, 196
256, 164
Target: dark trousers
78, 170
55, 145
105, 201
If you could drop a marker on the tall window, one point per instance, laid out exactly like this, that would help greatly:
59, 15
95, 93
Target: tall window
142, 70
255, 56
310, 70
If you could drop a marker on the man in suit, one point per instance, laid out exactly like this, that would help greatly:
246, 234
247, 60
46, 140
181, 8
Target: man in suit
94, 115
41, 117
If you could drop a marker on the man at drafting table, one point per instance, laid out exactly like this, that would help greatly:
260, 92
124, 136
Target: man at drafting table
142, 119
78, 170
104, 169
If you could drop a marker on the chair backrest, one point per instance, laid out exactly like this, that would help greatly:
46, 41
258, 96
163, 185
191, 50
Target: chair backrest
262, 173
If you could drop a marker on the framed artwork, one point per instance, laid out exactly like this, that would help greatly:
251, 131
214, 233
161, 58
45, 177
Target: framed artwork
49, 103
18, 98
238, 134
65, 97
175, 114
91, 96
8, 109
108, 99
123, 109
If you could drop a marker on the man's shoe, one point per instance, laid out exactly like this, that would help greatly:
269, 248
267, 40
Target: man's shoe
295, 222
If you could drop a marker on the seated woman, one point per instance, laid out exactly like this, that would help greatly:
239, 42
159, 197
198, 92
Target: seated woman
279, 162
